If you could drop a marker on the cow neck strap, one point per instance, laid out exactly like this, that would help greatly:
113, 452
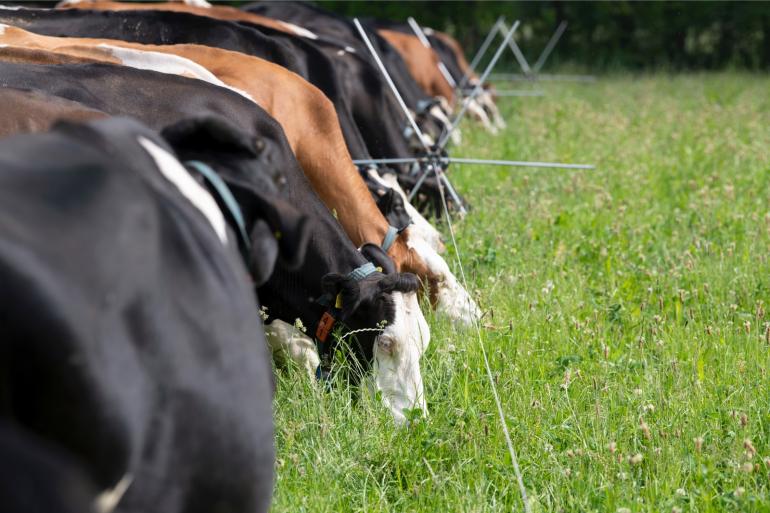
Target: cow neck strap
226, 196
359, 273
390, 238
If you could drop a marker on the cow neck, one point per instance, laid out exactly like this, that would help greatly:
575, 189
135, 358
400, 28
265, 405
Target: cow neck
294, 293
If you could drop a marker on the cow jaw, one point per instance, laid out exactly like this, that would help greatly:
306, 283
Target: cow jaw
452, 298
397, 358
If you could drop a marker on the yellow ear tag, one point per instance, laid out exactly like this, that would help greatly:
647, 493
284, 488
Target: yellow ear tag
338, 301
379, 269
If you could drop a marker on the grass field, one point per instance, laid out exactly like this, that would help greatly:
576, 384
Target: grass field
627, 321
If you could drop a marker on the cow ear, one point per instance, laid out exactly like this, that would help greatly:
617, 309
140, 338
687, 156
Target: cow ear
378, 257
346, 288
385, 200
289, 227
399, 282
211, 134
264, 252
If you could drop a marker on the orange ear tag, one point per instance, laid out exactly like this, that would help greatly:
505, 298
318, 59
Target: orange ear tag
325, 325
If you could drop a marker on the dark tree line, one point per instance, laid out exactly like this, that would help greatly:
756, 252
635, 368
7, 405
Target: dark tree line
622, 34
603, 35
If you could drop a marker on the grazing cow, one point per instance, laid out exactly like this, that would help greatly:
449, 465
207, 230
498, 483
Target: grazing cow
453, 57
422, 62
130, 340
430, 115
291, 293
430, 76
351, 296
32, 111
308, 119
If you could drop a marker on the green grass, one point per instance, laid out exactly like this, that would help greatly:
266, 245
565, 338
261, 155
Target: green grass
627, 321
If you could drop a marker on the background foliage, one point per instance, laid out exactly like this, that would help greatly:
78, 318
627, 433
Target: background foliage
604, 35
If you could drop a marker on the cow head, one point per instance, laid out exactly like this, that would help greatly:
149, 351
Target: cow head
391, 204
275, 227
390, 298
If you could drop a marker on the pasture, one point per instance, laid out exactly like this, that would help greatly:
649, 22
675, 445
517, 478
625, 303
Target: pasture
626, 326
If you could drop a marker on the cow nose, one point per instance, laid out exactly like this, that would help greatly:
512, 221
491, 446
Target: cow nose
386, 344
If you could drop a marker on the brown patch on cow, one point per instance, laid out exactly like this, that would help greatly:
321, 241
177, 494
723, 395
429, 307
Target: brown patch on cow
409, 261
457, 51
422, 63
21, 55
26, 112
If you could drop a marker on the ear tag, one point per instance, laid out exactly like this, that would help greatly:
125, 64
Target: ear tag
338, 301
325, 325
379, 269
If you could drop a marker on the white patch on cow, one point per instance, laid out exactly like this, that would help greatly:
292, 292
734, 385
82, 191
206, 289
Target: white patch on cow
11, 7
488, 103
175, 173
65, 3
350, 49
428, 140
437, 112
444, 104
167, 63
420, 226
397, 358
303, 32
285, 339
453, 300
478, 112
341, 53
3, 26
108, 500
198, 3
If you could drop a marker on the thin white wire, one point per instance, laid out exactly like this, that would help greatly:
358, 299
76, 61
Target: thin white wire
508, 441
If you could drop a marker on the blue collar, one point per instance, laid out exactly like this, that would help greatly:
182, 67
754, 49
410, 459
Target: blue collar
227, 198
390, 238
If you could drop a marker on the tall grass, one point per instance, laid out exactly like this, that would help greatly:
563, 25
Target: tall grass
626, 321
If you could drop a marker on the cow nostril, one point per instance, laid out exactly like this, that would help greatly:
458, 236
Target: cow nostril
386, 344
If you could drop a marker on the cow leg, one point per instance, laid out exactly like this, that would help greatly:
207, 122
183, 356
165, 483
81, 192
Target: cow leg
285, 340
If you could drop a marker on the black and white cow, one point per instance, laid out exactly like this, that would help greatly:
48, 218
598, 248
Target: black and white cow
38, 477
130, 338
